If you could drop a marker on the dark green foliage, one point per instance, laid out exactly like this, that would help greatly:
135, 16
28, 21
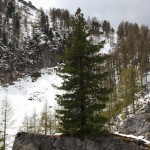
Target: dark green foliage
16, 26
40, 147
44, 22
35, 75
2, 148
10, 10
50, 34
46, 28
83, 73
4, 37
0, 26
1, 142
1, 5
17, 21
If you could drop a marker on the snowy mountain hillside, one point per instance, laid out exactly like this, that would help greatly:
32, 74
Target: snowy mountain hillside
29, 94
31, 39
25, 43
25, 96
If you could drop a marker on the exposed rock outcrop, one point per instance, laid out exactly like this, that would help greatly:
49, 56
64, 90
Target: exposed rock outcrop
138, 124
26, 141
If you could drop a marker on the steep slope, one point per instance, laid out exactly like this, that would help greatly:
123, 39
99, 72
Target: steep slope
24, 46
30, 93
139, 124
26, 96
31, 39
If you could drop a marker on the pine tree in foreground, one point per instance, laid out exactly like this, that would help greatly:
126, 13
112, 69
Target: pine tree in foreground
83, 72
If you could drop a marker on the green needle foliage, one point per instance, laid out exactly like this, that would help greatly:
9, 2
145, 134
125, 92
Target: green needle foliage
84, 93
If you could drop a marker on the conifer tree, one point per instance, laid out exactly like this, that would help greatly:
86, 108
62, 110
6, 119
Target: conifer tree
1, 5
1, 25
4, 38
10, 10
83, 73
16, 25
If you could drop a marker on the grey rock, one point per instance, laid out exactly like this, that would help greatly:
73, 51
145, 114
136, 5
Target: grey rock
147, 108
26, 141
138, 124
147, 136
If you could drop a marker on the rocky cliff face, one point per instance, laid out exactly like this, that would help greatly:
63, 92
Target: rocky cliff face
28, 40
31, 39
138, 124
26, 141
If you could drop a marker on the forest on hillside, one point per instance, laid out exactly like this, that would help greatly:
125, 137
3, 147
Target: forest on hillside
32, 39
28, 44
129, 67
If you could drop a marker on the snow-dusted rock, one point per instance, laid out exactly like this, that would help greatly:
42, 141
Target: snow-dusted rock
138, 124
26, 141
147, 108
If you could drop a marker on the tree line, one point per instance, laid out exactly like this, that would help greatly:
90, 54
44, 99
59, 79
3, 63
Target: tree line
99, 88
44, 123
35, 43
87, 106
129, 69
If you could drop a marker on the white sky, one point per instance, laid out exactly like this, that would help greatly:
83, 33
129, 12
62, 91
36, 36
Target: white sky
113, 10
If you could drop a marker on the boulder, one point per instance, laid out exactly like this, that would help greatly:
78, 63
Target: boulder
28, 141
147, 136
138, 125
147, 108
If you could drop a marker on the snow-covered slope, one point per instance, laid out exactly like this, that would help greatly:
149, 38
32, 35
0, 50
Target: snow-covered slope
25, 96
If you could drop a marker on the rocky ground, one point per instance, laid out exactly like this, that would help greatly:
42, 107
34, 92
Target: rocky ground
26, 141
138, 125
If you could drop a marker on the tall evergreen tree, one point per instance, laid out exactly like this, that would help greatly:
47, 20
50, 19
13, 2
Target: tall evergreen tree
83, 73
10, 9
1, 5
1, 25
42, 20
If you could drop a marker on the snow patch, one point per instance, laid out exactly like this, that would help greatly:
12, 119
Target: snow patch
26, 96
